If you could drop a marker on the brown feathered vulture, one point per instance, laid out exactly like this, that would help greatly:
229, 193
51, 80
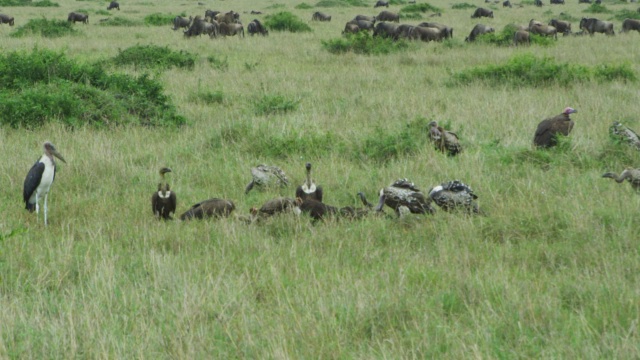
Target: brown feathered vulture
631, 175
403, 195
163, 201
275, 206
315, 209
309, 189
209, 208
444, 140
266, 175
549, 129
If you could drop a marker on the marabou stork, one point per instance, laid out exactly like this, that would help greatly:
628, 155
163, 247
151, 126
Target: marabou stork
454, 195
40, 178
403, 195
549, 129
309, 189
631, 175
209, 208
163, 201
444, 140
265, 175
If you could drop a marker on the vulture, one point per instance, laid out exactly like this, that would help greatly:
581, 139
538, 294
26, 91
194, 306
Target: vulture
403, 195
163, 201
631, 175
624, 134
39, 180
309, 189
315, 209
357, 213
209, 208
454, 195
275, 206
548, 129
444, 140
265, 175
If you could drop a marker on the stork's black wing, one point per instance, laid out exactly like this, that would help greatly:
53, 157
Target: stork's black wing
31, 183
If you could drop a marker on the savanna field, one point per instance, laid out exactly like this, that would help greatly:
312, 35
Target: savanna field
552, 270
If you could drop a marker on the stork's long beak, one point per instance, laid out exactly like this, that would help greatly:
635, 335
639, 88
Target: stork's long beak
58, 155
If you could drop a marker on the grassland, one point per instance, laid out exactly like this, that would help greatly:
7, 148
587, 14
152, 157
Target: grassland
552, 271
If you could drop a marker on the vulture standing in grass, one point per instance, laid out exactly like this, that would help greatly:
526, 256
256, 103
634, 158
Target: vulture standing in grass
444, 140
309, 189
209, 208
39, 180
403, 195
549, 129
454, 195
265, 175
631, 175
315, 209
624, 134
163, 201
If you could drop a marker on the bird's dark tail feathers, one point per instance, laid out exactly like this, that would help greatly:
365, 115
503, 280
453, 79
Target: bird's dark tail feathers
30, 207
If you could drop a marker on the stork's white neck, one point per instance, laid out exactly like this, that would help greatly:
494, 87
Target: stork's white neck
309, 188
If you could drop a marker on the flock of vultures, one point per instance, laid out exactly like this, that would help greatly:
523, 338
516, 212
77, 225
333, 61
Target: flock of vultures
402, 196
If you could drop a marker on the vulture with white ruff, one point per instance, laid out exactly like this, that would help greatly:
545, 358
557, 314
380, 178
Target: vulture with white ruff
454, 195
309, 189
163, 201
404, 194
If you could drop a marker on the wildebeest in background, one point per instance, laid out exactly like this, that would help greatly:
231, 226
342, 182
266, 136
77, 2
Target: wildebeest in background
231, 17
447, 32
388, 16
181, 22
556, 2
584, 1
199, 27
521, 37
74, 16
598, 2
6, 19
403, 31
385, 30
482, 12
350, 28
544, 30
478, 30
426, 34
113, 5
593, 25
256, 27
211, 14
320, 16
381, 3
630, 24
365, 17
363, 24
231, 29
562, 26
506, 3
537, 3
256, 12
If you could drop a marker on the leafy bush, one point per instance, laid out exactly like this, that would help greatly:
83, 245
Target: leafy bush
153, 56
341, 3
397, 2
42, 85
219, 64
158, 19
120, 21
627, 14
43, 3
597, 9
103, 12
273, 104
423, 8
384, 145
363, 43
505, 38
303, 6
461, 6
294, 143
567, 17
286, 21
45, 28
529, 70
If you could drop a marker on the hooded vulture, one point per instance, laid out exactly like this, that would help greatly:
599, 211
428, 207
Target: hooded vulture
549, 129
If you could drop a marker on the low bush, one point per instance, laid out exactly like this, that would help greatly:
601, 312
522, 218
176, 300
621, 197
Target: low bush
460, 6
153, 56
120, 21
420, 8
45, 28
505, 38
274, 104
364, 43
41, 86
218, 63
341, 3
158, 19
286, 21
529, 70
303, 6
597, 9
43, 3
384, 145
208, 97
627, 14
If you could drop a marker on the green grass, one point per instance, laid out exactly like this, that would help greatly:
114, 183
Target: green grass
550, 272
13, 3
286, 21
45, 28
150, 56
364, 43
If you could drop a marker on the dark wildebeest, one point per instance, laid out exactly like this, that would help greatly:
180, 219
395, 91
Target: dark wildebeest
364, 17
211, 14
73, 16
584, 1
403, 31
256, 12
381, 3
537, 3
388, 16
197, 27
544, 30
593, 25
426, 34
478, 30
598, 2
231, 17
113, 5
351, 28
181, 22
447, 32
506, 3
385, 30
320, 16
562, 26
482, 12
231, 29
6, 19
363, 24
630, 24
521, 37
256, 27
556, 2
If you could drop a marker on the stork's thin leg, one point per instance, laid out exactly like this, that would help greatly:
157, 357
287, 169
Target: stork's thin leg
37, 205
45, 209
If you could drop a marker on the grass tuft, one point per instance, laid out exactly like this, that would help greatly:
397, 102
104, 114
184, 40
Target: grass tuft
286, 21
153, 56
159, 19
45, 28
120, 21
382, 145
303, 6
364, 43
461, 6
597, 9
275, 104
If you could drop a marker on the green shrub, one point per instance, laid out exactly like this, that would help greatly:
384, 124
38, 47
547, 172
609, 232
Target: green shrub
384, 145
43, 3
567, 17
103, 12
41, 86
505, 38
303, 6
627, 14
120, 21
218, 63
45, 28
423, 8
461, 6
276, 6
286, 21
341, 3
597, 9
158, 19
153, 56
293, 143
529, 70
363, 43
274, 104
